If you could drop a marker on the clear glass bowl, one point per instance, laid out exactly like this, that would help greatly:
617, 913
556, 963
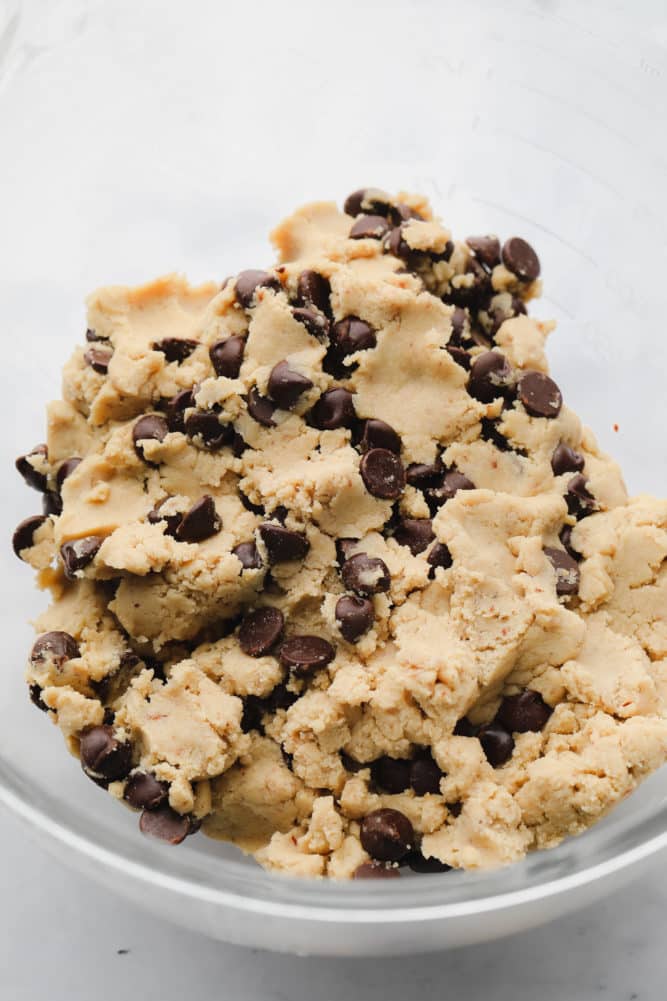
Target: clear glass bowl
143, 138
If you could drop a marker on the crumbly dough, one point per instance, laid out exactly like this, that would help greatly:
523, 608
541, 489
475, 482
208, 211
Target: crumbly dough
285, 750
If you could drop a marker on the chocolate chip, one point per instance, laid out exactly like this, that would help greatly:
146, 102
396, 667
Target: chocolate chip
176, 407
98, 359
415, 533
52, 503
260, 408
314, 289
353, 202
104, 755
459, 355
387, 835
286, 385
166, 825
57, 647
260, 631
366, 575
375, 870
473, 294
156, 517
176, 349
491, 433
354, 616
281, 698
491, 376
464, 728
200, 522
35, 693
227, 357
486, 249
382, 473
79, 553
396, 245
66, 469
580, 501
351, 335
314, 322
524, 712
422, 474
566, 460
204, 428
540, 395
369, 227
334, 409
439, 556
344, 549
247, 283
565, 536
144, 792
378, 434
305, 654
248, 554
427, 866
32, 477
249, 506
254, 709
520, 258
567, 571
449, 486
497, 743
391, 774
282, 544
425, 776
24, 536
149, 428
93, 338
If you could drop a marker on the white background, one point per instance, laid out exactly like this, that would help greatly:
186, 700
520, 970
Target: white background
299, 102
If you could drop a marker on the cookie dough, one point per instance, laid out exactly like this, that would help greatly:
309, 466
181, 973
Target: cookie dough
337, 575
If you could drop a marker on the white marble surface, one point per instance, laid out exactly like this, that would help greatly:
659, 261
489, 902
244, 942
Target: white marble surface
61, 938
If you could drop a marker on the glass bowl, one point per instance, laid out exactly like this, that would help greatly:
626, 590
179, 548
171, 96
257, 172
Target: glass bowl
144, 138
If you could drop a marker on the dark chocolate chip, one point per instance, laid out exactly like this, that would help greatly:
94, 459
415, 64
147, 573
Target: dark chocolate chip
427, 866
520, 258
369, 227
464, 728
79, 553
281, 698
459, 355
396, 245
314, 289
486, 249
439, 556
249, 506
153, 427
93, 338
375, 870
334, 409
156, 517
415, 533
260, 408
580, 501
227, 357
449, 486
354, 616
387, 835
567, 571
315, 322
422, 474
524, 712
566, 460
248, 554
391, 774
350, 764
57, 647
204, 428
540, 395
176, 349
351, 335
144, 792
260, 631
497, 743
382, 473
254, 709
176, 407
166, 825
66, 469
286, 385
104, 755
282, 544
366, 575
491, 376
200, 522
491, 433
353, 202
35, 693
378, 434
425, 776
247, 283
32, 477
52, 503
98, 359
344, 549
565, 536
305, 654
24, 536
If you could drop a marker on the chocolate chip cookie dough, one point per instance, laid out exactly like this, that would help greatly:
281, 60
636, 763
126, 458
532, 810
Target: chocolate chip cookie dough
336, 573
